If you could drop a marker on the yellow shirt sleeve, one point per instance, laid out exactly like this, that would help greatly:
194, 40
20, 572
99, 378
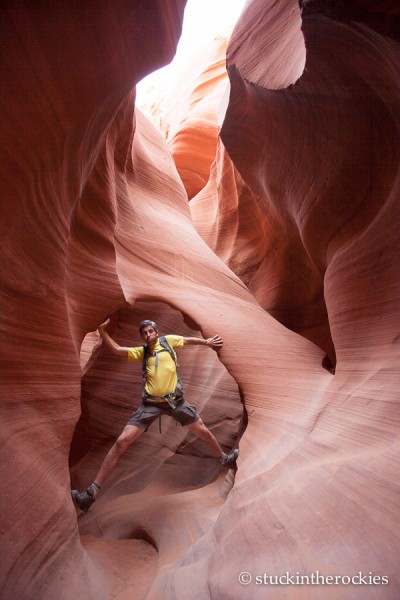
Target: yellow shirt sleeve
135, 354
175, 341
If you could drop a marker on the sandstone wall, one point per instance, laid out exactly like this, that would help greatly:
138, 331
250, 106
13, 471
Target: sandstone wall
289, 252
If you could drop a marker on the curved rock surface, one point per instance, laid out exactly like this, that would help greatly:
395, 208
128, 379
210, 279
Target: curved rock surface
189, 115
297, 231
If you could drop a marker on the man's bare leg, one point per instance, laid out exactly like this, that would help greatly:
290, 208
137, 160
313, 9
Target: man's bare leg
201, 431
129, 434
85, 499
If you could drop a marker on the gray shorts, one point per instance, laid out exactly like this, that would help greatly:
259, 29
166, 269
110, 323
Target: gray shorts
144, 416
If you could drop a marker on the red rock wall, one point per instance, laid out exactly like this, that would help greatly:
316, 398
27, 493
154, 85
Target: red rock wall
315, 163
96, 221
66, 71
189, 115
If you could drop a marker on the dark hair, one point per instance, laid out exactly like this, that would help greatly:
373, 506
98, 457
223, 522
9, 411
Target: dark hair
144, 324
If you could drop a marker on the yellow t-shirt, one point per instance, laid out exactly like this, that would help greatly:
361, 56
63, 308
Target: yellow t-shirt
160, 379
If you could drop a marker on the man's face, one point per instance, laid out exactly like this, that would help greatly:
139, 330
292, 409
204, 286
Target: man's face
149, 334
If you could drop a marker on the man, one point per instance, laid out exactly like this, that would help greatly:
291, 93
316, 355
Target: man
162, 394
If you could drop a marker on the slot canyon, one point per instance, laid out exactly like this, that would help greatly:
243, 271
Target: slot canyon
265, 209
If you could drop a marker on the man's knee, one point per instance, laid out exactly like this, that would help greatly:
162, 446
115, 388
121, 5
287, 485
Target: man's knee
200, 429
121, 445
126, 438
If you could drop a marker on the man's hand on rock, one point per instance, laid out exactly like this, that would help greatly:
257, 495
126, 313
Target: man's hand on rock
103, 326
215, 342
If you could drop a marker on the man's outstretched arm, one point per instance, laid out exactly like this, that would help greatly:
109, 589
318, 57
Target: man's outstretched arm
110, 343
214, 342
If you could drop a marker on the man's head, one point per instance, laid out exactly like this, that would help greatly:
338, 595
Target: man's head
148, 331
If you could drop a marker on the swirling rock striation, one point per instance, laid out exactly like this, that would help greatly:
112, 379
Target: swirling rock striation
300, 216
308, 194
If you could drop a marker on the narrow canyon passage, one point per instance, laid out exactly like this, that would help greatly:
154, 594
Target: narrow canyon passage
266, 212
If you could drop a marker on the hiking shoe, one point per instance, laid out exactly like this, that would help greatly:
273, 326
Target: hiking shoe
83, 500
229, 460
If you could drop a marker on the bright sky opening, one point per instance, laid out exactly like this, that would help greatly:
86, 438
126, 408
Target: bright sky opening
203, 21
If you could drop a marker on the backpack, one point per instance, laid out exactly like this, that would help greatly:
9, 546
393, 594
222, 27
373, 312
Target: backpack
178, 391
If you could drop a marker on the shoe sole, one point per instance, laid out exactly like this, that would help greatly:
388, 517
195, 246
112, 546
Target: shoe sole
74, 494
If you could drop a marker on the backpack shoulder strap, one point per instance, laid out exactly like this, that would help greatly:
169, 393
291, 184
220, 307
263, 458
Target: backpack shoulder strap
166, 347
146, 353
164, 343
145, 357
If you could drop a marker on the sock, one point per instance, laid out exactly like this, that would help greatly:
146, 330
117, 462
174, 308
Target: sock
95, 488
